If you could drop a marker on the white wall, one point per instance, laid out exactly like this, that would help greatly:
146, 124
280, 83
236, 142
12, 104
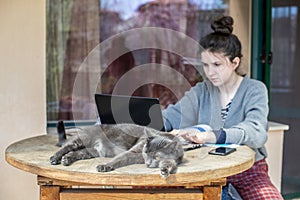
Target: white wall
22, 88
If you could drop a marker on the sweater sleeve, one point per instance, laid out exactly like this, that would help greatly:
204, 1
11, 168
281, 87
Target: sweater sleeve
252, 131
184, 113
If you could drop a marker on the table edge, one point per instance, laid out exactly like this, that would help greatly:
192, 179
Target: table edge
124, 179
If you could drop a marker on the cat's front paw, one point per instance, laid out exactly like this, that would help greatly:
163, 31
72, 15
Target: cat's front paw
104, 168
164, 172
167, 167
54, 160
67, 160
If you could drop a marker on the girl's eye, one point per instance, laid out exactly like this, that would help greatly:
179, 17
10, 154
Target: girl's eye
204, 65
217, 64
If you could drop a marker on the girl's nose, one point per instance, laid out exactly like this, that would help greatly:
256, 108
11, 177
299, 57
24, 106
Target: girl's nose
209, 70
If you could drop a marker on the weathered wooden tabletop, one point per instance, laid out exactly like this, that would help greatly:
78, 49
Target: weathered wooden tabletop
32, 155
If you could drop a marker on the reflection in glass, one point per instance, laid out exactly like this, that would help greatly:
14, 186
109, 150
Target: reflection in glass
75, 27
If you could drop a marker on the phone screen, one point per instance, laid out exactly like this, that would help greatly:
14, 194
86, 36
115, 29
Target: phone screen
222, 151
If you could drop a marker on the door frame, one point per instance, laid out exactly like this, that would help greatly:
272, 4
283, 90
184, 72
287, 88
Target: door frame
261, 41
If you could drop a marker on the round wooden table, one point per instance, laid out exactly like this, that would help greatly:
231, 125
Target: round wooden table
200, 171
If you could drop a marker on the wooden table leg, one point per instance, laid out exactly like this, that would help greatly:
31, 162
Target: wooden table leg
212, 192
49, 192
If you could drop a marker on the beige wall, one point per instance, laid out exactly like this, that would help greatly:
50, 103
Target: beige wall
241, 13
22, 88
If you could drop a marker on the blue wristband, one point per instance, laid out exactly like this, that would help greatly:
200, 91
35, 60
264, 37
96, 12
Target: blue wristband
198, 128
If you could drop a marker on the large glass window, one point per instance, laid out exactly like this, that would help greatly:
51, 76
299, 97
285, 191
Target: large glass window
285, 86
75, 29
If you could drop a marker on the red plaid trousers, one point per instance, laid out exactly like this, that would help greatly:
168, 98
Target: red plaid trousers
255, 183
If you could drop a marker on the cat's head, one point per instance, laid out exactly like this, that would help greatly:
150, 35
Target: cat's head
161, 149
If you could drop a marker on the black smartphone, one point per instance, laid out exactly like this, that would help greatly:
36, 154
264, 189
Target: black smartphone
222, 151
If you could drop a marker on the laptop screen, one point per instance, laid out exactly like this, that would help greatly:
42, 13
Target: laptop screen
115, 109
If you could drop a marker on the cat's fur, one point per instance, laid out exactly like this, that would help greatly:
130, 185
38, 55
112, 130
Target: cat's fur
127, 144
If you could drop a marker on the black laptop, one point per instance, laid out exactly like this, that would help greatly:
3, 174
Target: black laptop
115, 109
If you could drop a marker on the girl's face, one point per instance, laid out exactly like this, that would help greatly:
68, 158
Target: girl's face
218, 68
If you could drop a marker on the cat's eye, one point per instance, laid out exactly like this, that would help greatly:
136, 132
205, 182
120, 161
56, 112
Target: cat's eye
157, 157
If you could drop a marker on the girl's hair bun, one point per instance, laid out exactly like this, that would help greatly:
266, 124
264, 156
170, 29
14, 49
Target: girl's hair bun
223, 25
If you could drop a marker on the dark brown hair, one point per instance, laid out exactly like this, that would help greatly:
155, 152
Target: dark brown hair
221, 40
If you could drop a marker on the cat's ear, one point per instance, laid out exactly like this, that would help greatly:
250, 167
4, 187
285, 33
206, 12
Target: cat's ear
171, 145
150, 138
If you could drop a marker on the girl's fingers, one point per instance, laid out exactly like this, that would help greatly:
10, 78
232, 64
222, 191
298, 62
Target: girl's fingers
192, 137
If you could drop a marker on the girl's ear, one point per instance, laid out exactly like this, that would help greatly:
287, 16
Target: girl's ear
236, 62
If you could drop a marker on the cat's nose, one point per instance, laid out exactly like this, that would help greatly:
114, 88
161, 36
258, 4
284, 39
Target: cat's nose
147, 163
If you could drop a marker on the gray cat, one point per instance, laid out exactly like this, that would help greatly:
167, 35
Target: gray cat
127, 144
